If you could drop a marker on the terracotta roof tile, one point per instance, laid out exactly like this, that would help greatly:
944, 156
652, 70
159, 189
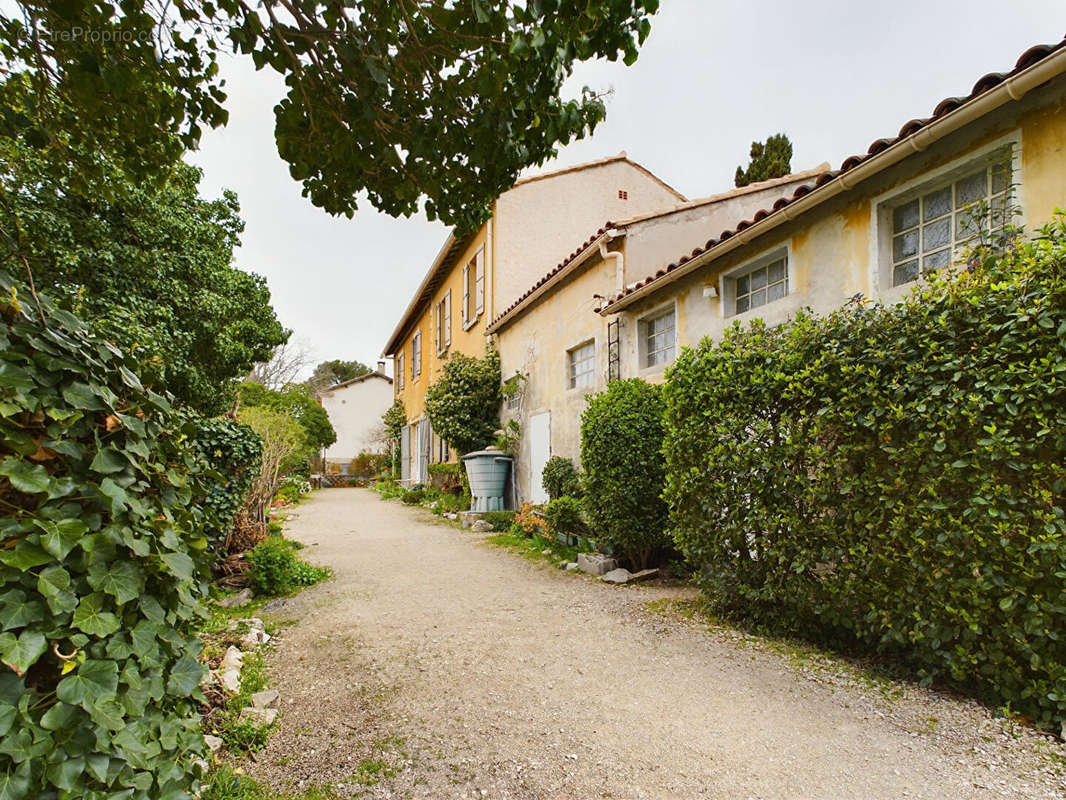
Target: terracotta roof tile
1030, 57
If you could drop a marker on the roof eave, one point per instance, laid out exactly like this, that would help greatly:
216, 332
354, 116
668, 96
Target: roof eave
1013, 88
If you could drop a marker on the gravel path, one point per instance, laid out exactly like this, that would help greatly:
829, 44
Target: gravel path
435, 665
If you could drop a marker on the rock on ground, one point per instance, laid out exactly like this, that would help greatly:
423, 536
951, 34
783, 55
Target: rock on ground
469, 671
242, 598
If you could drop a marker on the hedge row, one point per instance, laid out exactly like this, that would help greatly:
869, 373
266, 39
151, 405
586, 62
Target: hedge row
893, 478
102, 553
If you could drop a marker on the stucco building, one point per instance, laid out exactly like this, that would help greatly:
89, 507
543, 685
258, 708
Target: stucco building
354, 408
474, 276
553, 338
910, 204
618, 307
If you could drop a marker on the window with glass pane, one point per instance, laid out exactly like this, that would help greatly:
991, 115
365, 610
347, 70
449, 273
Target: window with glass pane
762, 286
926, 230
660, 339
581, 364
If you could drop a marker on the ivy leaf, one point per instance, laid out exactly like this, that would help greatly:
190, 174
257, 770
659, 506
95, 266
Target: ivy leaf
24, 476
116, 494
109, 461
185, 676
64, 774
63, 536
121, 580
17, 612
94, 682
91, 618
15, 785
22, 652
25, 556
82, 396
179, 564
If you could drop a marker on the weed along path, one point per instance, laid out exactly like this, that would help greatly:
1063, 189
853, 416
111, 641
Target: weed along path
436, 665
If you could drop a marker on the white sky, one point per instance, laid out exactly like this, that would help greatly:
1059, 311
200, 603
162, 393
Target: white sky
832, 74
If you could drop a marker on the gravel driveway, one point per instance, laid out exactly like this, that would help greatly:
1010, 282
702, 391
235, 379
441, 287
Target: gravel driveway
435, 665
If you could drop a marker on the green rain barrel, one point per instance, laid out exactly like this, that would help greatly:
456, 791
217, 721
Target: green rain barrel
487, 470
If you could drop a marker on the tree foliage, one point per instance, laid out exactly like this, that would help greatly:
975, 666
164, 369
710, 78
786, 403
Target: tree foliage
400, 100
297, 402
770, 160
330, 373
463, 404
283, 441
101, 569
893, 478
234, 451
621, 454
151, 268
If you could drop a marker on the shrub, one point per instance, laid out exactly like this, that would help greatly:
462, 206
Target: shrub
529, 522
389, 490
463, 404
282, 439
104, 563
563, 515
368, 464
277, 571
292, 488
621, 442
893, 479
560, 478
449, 503
413, 497
500, 521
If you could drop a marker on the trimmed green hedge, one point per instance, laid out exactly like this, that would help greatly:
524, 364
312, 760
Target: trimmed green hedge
621, 443
102, 558
893, 479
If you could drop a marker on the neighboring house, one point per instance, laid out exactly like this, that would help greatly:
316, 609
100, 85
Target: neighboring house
476, 275
870, 228
553, 337
355, 408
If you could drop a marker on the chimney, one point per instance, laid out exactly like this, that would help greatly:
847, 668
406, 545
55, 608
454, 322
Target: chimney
381, 367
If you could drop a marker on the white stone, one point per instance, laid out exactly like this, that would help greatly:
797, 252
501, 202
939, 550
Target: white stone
214, 744
268, 698
231, 680
617, 576
482, 526
234, 659
571, 566
258, 716
644, 575
595, 563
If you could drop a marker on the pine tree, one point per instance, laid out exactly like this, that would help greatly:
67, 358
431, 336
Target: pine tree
770, 160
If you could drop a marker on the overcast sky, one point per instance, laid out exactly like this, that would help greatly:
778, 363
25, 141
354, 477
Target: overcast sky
832, 74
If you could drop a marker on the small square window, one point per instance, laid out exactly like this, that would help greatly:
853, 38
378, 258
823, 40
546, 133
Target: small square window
927, 229
761, 286
581, 366
659, 339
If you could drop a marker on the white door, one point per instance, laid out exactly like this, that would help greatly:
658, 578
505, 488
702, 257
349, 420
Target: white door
540, 450
423, 451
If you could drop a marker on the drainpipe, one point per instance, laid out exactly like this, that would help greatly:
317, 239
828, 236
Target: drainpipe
619, 261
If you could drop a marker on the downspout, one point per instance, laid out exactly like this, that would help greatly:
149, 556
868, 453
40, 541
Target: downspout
619, 259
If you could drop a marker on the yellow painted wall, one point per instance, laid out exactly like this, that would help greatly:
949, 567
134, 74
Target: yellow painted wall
470, 341
839, 249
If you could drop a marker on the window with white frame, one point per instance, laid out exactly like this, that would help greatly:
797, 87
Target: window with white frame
659, 338
416, 355
581, 366
927, 229
761, 286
